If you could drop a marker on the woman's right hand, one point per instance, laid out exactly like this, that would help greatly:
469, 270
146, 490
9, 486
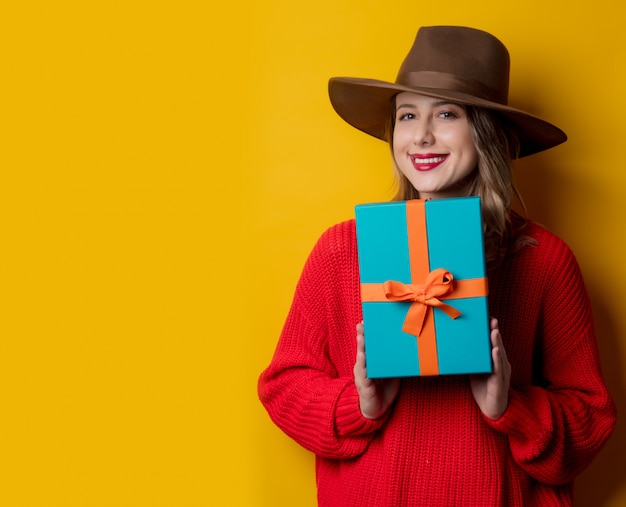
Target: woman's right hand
375, 395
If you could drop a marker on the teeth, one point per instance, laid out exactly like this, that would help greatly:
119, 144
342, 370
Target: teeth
431, 160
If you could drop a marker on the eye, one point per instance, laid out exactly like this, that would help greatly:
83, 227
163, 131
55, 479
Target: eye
447, 115
406, 116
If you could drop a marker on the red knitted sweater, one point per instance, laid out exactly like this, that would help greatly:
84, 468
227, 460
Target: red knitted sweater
434, 447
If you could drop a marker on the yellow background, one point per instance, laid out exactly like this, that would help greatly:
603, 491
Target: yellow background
165, 168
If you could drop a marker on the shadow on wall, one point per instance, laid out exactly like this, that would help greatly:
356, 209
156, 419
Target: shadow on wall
539, 186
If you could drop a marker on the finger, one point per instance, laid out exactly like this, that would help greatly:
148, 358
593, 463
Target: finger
501, 365
495, 338
493, 323
495, 359
496, 341
360, 338
360, 347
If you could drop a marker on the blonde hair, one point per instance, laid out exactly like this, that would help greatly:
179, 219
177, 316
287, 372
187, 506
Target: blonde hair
497, 146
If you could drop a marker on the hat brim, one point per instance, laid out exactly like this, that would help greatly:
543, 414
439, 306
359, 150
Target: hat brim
365, 104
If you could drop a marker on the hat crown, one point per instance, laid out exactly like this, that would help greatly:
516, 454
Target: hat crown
460, 59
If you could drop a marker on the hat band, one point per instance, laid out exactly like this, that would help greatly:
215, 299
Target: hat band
451, 82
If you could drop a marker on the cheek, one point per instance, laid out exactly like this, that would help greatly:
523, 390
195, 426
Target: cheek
463, 143
399, 141
471, 151
467, 141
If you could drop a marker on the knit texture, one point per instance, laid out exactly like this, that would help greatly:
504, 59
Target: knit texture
434, 447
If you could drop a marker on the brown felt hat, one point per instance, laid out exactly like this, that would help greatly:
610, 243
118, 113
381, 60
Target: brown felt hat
465, 65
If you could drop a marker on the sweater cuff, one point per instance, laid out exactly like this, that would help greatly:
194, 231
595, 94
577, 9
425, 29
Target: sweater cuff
349, 421
515, 422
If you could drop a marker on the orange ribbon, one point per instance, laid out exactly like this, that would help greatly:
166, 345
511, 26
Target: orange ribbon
438, 284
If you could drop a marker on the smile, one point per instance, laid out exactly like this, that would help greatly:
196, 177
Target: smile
426, 163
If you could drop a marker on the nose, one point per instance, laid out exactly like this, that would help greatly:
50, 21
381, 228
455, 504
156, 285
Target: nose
423, 135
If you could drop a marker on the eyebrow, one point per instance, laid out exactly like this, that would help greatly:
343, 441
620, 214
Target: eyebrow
436, 104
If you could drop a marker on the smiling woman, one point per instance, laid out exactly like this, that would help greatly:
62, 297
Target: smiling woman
516, 436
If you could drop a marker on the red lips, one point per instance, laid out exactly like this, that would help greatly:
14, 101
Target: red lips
427, 161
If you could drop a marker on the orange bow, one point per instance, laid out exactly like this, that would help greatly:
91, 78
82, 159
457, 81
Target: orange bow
438, 284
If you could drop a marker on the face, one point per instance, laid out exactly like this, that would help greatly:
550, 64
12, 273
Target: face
433, 145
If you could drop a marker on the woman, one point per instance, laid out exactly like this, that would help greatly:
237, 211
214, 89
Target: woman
518, 436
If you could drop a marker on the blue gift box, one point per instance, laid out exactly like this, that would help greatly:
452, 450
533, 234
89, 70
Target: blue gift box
423, 287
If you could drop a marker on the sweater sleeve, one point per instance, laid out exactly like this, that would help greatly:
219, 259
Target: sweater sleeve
556, 426
312, 399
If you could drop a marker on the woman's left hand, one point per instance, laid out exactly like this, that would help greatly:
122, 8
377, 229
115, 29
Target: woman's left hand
491, 392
